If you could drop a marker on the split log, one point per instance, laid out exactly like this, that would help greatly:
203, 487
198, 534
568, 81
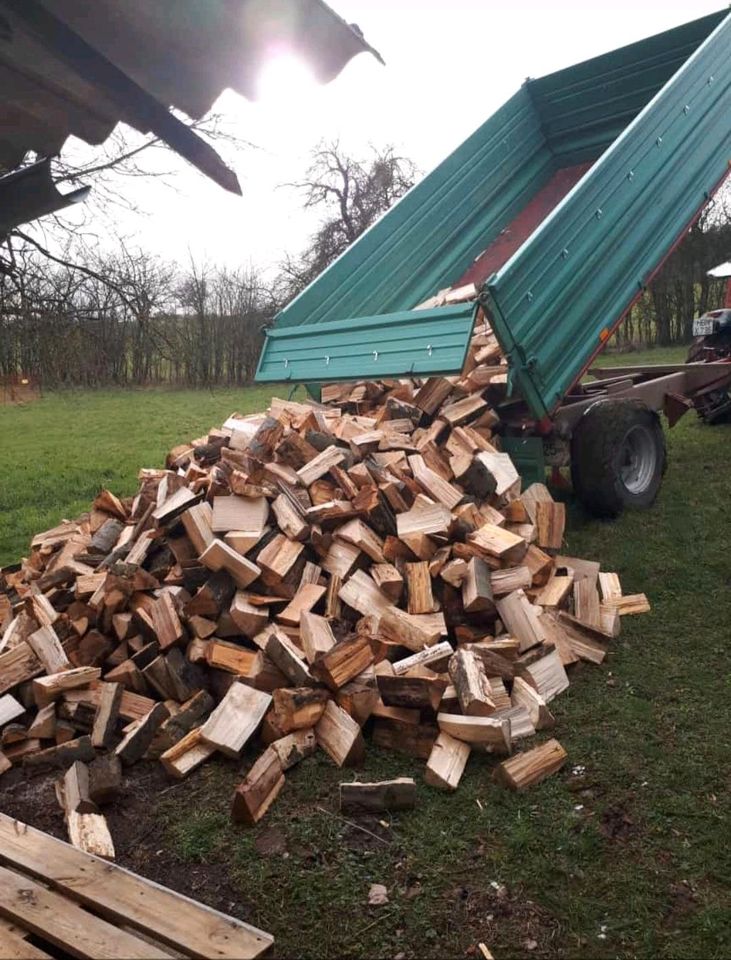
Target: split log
342, 662
187, 754
10, 708
289, 519
631, 604
546, 674
382, 797
489, 731
107, 714
50, 688
220, 556
281, 651
298, 708
554, 593
316, 635
610, 586
197, 521
249, 618
419, 588
470, 680
308, 596
360, 535
526, 769
586, 602
477, 595
47, 647
76, 798
260, 788
433, 657
105, 778
135, 743
414, 631
248, 514
295, 747
550, 520
388, 580
446, 762
166, 622
521, 618
60, 756
89, 832
413, 738
494, 541
43, 726
412, 692
235, 719
340, 736
330, 457
424, 517
524, 695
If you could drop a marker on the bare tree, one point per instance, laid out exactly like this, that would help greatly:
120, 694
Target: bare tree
111, 169
352, 194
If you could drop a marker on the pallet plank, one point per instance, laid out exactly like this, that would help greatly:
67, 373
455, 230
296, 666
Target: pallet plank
64, 924
123, 896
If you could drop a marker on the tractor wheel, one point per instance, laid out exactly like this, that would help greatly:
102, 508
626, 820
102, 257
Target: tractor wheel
618, 457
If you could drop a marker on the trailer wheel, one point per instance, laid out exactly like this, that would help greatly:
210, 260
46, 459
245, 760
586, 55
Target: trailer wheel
618, 457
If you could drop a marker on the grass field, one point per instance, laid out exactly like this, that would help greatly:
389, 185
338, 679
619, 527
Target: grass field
624, 854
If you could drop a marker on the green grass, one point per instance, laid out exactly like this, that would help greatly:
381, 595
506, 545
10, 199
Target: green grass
630, 859
642, 357
58, 452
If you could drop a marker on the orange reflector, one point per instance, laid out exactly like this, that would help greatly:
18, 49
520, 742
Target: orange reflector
604, 335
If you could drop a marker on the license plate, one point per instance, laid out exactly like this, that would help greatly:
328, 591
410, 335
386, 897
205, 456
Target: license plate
702, 327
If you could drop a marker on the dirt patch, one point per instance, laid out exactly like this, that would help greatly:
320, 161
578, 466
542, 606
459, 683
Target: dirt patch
617, 824
496, 915
365, 833
271, 842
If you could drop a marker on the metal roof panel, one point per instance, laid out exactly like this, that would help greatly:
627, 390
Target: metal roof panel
183, 53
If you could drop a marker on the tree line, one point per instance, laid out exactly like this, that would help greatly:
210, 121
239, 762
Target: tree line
87, 319
84, 318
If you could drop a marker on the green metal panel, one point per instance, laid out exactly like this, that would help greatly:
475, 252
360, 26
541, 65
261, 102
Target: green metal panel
422, 342
661, 130
580, 270
437, 229
527, 456
584, 108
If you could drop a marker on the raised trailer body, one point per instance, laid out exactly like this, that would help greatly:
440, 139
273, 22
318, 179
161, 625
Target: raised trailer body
559, 209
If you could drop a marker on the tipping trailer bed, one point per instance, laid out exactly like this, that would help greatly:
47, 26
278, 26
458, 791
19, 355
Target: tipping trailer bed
559, 209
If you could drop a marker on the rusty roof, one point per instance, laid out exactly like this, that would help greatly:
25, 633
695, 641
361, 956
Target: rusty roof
75, 67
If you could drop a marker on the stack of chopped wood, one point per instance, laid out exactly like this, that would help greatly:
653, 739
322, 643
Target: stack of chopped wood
302, 578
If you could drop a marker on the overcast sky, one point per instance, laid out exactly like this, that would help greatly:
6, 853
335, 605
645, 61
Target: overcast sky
449, 65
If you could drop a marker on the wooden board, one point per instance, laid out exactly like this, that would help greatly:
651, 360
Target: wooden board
66, 925
123, 897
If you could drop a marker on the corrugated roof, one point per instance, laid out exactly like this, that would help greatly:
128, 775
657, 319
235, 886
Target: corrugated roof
74, 67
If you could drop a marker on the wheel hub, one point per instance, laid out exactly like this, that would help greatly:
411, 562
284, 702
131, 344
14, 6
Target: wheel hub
638, 457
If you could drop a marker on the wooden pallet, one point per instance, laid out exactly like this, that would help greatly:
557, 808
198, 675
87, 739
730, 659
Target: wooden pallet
55, 896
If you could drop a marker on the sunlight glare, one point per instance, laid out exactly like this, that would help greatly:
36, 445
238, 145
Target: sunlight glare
284, 78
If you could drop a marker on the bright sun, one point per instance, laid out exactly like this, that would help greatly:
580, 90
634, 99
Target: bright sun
284, 78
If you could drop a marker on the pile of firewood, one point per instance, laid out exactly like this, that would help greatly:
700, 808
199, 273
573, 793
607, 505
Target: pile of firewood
368, 565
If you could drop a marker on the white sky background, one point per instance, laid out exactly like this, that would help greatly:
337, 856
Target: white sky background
449, 65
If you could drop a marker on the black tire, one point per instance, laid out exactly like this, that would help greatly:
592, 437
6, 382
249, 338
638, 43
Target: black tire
618, 457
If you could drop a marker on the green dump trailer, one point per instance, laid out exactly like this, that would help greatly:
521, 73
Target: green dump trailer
559, 209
